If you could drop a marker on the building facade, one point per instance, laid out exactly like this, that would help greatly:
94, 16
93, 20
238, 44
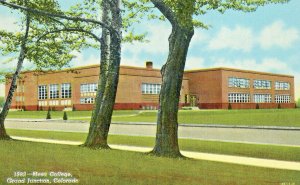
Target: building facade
139, 88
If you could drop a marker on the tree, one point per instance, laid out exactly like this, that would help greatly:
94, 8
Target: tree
109, 76
110, 58
298, 103
180, 14
4, 112
45, 52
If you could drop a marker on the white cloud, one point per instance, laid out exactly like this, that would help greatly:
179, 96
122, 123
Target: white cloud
158, 41
80, 59
239, 64
267, 64
199, 37
194, 63
239, 38
8, 23
278, 35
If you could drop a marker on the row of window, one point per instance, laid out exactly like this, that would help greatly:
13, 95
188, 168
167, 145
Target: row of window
66, 91
87, 100
257, 98
86, 88
257, 84
151, 88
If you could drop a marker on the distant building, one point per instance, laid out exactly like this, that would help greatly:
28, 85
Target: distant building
215, 88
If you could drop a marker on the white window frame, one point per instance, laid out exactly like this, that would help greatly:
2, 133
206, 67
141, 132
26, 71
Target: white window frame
54, 91
282, 85
282, 98
238, 98
89, 100
148, 88
262, 84
66, 90
262, 98
238, 82
88, 87
42, 92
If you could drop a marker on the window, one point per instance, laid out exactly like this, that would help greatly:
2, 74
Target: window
92, 87
151, 88
262, 84
42, 92
262, 98
282, 98
282, 86
238, 98
87, 100
54, 92
238, 82
66, 91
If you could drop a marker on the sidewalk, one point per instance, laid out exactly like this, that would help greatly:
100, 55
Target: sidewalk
149, 123
265, 163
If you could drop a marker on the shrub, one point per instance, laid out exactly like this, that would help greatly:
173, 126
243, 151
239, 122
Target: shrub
48, 114
65, 116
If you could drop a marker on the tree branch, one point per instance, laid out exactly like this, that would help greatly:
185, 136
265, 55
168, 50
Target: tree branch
44, 13
71, 29
165, 10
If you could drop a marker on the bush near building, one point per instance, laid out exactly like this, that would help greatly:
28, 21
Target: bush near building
65, 117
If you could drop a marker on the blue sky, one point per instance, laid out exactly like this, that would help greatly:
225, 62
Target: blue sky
266, 40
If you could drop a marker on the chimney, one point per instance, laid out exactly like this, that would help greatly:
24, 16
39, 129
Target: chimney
149, 64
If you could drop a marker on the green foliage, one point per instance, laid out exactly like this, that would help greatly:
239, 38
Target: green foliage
48, 114
188, 13
46, 47
298, 103
65, 117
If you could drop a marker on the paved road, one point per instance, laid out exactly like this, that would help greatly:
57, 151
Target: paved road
244, 135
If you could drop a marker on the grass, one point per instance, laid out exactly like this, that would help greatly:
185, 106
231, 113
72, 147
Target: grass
261, 117
73, 115
250, 150
120, 167
265, 117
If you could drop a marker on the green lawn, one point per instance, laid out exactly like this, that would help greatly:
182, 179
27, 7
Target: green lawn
250, 150
72, 115
261, 117
120, 167
265, 117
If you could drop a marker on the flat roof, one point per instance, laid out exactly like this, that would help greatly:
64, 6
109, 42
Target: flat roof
236, 70
155, 69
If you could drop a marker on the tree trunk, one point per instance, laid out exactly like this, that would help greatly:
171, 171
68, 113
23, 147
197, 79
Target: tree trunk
13, 86
166, 143
99, 132
104, 63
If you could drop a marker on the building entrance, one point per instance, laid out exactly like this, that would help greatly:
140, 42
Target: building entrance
193, 100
